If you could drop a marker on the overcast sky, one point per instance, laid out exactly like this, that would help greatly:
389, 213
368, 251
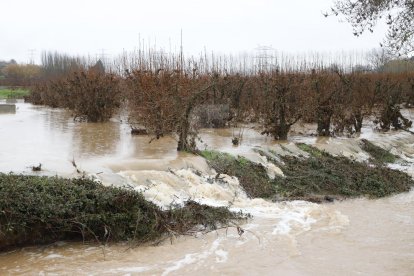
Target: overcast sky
225, 26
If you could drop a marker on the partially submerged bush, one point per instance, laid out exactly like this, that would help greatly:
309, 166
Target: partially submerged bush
378, 154
253, 177
338, 176
391, 116
37, 210
311, 150
212, 116
182, 220
163, 101
95, 95
317, 176
90, 94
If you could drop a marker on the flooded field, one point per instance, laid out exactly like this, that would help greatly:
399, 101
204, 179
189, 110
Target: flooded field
352, 237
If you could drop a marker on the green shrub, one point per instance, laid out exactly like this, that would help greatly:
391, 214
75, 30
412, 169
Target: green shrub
37, 210
252, 177
378, 154
340, 176
311, 150
316, 177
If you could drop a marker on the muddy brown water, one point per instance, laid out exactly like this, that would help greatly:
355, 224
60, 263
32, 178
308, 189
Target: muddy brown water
353, 237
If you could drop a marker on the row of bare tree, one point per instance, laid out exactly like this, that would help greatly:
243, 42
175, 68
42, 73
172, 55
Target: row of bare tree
167, 100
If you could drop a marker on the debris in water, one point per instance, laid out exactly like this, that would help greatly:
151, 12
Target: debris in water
37, 168
235, 141
138, 131
75, 166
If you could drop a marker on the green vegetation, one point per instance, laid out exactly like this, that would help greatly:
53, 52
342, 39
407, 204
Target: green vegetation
316, 178
253, 177
13, 93
38, 210
379, 155
339, 176
311, 150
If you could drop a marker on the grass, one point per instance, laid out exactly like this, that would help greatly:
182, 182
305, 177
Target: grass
317, 177
378, 154
13, 93
39, 210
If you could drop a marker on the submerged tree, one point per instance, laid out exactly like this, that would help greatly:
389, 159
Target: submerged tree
399, 15
356, 101
326, 99
92, 96
389, 96
282, 102
163, 101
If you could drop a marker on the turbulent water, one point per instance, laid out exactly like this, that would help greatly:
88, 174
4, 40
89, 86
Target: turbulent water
352, 237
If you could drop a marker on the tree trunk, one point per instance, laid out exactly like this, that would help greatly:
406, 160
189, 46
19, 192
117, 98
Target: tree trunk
184, 128
324, 121
282, 128
183, 131
358, 118
283, 132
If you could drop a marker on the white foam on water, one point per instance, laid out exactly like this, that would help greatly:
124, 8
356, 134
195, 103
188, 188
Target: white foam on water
221, 256
271, 169
177, 186
135, 269
53, 256
298, 215
196, 257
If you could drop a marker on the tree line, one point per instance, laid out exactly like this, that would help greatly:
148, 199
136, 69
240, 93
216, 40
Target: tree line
167, 95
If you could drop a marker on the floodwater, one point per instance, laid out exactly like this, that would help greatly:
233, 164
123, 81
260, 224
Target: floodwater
353, 237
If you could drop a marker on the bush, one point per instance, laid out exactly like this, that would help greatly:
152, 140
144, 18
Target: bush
92, 95
252, 177
38, 210
339, 176
378, 155
312, 178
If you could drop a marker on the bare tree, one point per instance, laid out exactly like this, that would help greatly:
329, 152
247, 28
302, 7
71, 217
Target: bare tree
282, 103
399, 15
163, 102
378, 58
